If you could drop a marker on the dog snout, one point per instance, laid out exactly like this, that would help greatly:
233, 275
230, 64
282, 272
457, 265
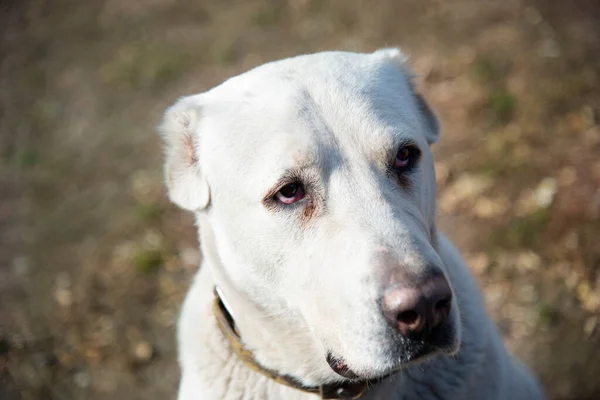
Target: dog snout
414, 310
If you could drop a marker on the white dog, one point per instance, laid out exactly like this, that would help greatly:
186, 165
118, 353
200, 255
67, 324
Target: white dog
313, 187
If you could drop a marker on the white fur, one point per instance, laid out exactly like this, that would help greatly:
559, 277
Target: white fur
305, 279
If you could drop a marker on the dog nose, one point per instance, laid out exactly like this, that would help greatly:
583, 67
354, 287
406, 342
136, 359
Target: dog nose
415, 310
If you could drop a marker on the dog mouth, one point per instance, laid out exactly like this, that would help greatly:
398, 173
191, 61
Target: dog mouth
412, 353
339, 366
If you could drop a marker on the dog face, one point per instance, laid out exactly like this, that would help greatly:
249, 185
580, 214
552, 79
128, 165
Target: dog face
317, 181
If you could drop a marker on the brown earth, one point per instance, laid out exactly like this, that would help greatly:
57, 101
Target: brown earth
94, 262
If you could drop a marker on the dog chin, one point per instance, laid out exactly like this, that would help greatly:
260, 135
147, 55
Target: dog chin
409, 359
403, 353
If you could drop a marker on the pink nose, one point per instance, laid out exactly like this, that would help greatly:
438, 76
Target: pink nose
414, 310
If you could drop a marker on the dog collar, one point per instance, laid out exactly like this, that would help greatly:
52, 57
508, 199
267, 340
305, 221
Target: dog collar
345, 390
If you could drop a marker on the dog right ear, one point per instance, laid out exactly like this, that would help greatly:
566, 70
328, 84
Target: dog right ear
179, 129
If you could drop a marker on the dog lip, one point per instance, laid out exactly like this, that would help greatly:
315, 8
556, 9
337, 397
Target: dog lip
339, 366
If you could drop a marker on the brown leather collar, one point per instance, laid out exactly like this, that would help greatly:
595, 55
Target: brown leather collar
346, 390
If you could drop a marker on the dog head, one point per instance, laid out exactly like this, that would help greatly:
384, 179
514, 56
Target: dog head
316, 179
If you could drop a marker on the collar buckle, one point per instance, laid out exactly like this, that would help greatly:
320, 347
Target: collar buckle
344, 391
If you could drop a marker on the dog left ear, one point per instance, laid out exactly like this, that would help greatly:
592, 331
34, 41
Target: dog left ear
431, 124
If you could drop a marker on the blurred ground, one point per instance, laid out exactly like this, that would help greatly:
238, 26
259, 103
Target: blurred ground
94, 262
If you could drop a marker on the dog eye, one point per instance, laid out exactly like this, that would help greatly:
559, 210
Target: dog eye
290, 193
406, 158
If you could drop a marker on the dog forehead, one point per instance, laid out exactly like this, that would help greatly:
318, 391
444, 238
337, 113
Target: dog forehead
286, 113
254, 135
252, 117
334, 82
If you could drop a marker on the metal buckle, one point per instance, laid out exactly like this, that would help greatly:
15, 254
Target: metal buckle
344, 391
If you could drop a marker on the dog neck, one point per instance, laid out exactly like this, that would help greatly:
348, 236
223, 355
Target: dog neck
277, 342
345, 390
